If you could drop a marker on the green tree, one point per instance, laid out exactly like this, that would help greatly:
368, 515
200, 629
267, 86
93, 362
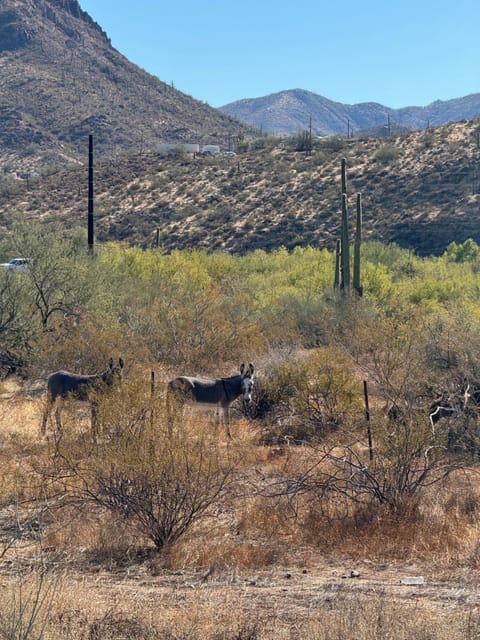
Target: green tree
57, 282
467, 251
16, 328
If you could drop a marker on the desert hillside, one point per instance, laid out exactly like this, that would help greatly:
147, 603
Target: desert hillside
419, 190
61, 80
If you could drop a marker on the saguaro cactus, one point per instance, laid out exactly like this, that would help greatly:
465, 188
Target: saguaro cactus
344, 176
357, 283
342, 255
336, 281
345, 247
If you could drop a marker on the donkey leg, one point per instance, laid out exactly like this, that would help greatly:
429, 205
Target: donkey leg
46, 414
94, 413
226, 419
58, 418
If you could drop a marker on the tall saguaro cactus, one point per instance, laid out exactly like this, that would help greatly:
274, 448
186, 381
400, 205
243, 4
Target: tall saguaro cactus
344, 176
344, 247
336, 281
342, 256
357, 281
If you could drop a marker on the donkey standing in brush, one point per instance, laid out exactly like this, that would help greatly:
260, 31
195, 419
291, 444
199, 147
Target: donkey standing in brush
63, 385
213, 391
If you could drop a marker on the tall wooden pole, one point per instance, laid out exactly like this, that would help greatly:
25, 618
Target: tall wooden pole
90, 193
367, 418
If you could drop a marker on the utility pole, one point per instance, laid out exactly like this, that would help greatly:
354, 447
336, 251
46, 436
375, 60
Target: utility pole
90, 194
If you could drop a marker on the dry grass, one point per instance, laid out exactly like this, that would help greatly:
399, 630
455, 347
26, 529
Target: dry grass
259, 568
261, 606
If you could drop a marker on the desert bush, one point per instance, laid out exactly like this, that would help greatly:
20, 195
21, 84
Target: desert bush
390, 349
266, 142
18, 331
428, 138
24, 611
386, 154
467, 251
85, 345
143, 467
333, 144
310, 397
185, 314
50, 287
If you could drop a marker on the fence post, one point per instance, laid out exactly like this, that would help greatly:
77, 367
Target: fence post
367, 417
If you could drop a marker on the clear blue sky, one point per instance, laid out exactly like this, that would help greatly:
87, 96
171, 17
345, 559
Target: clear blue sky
395, 52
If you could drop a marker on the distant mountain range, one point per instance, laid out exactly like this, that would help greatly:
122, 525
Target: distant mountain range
288, 112
61, 79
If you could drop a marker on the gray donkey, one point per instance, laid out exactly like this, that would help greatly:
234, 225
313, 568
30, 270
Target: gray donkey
213, 391
63, 384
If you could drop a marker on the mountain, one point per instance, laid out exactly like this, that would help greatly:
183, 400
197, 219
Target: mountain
288, 112
61, 79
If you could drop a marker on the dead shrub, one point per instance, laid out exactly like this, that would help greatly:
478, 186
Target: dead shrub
142, 467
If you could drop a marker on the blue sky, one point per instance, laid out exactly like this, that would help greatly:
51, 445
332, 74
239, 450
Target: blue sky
397, 53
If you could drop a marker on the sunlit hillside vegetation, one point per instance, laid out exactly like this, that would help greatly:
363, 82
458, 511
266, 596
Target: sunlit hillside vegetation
207, 311
419, 190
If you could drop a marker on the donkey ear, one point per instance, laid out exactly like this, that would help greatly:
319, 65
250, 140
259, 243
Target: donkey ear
251, 369
121, 363
110, 363
242, 369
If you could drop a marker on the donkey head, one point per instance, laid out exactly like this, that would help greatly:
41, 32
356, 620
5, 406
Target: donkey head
114, 372
247, 381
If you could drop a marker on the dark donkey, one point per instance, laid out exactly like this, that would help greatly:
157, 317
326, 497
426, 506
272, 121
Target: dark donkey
214, 391
63, 384
451, 406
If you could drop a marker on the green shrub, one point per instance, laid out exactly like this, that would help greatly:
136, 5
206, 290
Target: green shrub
386, 154
310, 397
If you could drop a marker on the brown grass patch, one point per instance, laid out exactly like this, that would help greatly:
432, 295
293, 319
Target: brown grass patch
258, 567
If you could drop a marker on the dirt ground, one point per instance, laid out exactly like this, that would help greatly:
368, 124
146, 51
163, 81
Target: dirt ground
290, 590
280, 595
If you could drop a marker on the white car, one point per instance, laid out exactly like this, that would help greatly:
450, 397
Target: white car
17, 264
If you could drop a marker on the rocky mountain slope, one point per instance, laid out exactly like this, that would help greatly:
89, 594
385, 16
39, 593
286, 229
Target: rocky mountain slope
420, 190
288, 112
60, 80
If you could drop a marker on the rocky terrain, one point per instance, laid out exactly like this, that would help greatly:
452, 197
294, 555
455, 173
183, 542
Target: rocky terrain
61, 79
420, 190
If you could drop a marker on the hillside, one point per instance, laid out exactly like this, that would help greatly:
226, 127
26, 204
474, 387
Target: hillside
61, 79
288, 112
420, 190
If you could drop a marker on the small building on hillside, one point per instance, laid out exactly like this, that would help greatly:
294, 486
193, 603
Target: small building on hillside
211, 148
188, 147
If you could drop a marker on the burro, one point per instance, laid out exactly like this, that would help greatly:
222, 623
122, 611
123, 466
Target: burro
62, 385
212, 391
